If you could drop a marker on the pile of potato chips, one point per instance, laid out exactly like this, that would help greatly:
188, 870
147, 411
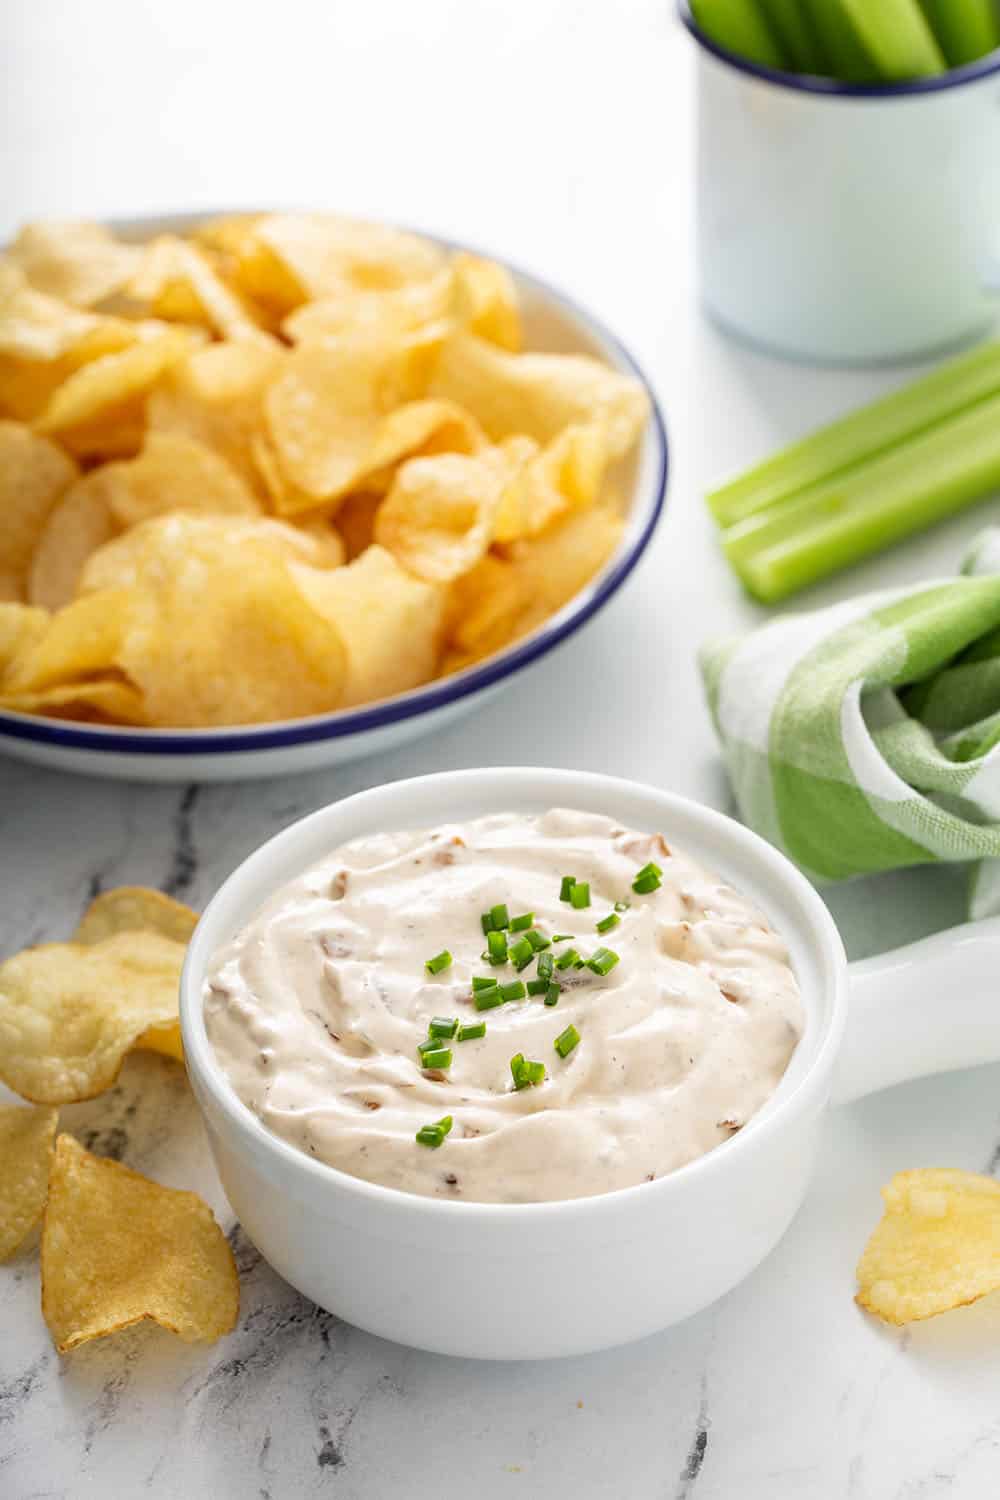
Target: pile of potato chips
290, 464
116, 1248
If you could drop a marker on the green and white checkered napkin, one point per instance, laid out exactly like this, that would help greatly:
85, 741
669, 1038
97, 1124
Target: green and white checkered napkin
866, 736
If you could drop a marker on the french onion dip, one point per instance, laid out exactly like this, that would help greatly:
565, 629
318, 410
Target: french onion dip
661, 1015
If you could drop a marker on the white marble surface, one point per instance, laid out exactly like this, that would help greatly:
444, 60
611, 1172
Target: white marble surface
558, 133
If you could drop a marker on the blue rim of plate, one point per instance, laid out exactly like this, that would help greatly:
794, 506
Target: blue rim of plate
443, 693
812, 83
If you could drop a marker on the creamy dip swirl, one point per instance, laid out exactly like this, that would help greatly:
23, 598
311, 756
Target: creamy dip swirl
316, 1009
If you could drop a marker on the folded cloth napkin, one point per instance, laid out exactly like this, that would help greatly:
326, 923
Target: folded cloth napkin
866, 736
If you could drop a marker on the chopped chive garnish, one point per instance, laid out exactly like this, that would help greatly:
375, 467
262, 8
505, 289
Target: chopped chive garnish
433, 1135
488, 999
622, 905
486, 922
472, 1031
534, 1072
438, 1057
496, 945
499, 918
609, 923
440, 961
581, 963
567, 958
566, 889
483, 981
513, 991
602, 960
537, 986
443, 1026
546, 963
579, 896
644, 885
521, 953
566, 1040
538, 940
526, 1073
650, 869
552, 994
561, 937
520, 924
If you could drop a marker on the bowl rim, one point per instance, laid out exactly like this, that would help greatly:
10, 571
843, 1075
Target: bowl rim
836, 88
443, 692
817, 924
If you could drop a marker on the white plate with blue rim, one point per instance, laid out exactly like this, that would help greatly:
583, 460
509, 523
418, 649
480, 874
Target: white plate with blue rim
552, 322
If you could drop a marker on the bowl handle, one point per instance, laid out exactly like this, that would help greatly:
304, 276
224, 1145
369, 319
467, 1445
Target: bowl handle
926, 1008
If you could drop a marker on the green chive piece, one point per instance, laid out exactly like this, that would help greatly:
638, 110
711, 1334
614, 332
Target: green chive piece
609, 923
496, 948
433, 1135
566, 1040
537, 986
538, 940
581, 963
499, 918
579, 896
602, 960
513, 991
534, 1072
429, 1044
622, 905
644, 885
440, 961
561, 937
486, 923
546, 963
650, 869
483, 982
438, 1058
567, 958
565, 890
471, 1032
516, 1065
520, 924
524, 1073
443, 1026
521, 953
488, 999
552, 994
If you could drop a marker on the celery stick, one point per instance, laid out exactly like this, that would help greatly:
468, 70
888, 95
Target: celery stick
790, 24
738, 26
897, 38
948, 389
836, 523
846, 57
965, 29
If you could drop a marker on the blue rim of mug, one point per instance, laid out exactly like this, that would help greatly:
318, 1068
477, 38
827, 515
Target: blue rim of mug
812, 83
443, 694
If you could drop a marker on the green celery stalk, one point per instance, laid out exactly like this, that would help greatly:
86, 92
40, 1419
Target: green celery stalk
833, 524
739, 26
947, 390
790, 23
896, 36
965, 29
838, 40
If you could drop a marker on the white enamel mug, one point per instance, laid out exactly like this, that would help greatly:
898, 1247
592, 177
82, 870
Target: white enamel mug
847, 223
537, 1280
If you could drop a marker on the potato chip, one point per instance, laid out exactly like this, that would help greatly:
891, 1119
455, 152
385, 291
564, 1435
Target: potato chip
105, 386
178, 281
34, 326
33, 474
28, 383
539, 394
174, 473
77, 525
937, 1247
79, 262
388, 315
69, 1012
438, 518
118, 1248
356, 521
325, 253
485, 300
80, 642
26, 1137
391, 623
21, 628
565, 475
102, 700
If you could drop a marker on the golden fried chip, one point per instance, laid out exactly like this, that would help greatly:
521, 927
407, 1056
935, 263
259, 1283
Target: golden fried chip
69, 1012
34, 326
565, 475
79, 262
388, 315
438, 518
28, 383
174, 473
26, 1137
485, 300
390, 623
937, 1247
177, 281
33, 474
77, 525
81, 641
539, 394
117, 1248
325, 253
106, 386
21, 628
102, 700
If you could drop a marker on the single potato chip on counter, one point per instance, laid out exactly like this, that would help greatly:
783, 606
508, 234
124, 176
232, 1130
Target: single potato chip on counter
69, 1012
937, 1247
26, 1137
118, 1248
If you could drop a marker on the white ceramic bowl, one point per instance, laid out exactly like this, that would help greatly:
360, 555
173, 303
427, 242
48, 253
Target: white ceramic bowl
552, 322
528, 1281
